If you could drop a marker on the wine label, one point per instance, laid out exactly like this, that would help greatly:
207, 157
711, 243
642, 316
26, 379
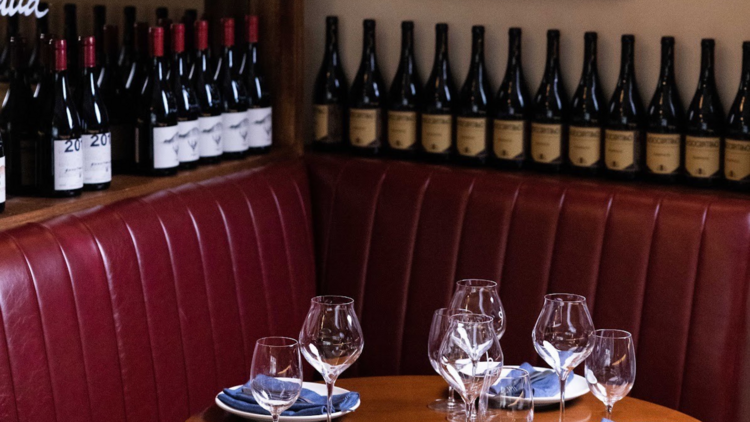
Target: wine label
166, 147
2, 180
187, 137
471, 136
97, 158
320, 123
328, 123
662, 152
619, 149
68, 164
235, 131
364, 128
702, 156
584, 145
261, 127
28, 162
402, 129
209, 139
437, 130
508, 139
736, 159
546, 142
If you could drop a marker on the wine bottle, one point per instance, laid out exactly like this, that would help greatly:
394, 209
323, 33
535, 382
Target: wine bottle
330, 95
705, 126
587, 115
472, 126
666, 123
100, 19
549, 125
367, 99
127, 54
438, 113
17, 127
2, 176
161, 13
404, 100
209, 99
156, 144
166, 24
35, 62
511, 121
259, 112
70, 35
96, 139
11, 31
119, 104
188, 109
233, 97
60, 150
737, 144
623, 137
189, 19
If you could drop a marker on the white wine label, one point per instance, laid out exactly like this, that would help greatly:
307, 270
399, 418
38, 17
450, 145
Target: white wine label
437, 130
737, 159
235, 131
209, 140
584, 145
471, 136
402, 129
702, 156
320, 113
508, 139
546, 142
261, 127
619, 149
166, 147
68, 164
364, 127
97, 158
188, 134
2, 180
662, 152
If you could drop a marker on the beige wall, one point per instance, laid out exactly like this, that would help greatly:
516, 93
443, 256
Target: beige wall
728, 21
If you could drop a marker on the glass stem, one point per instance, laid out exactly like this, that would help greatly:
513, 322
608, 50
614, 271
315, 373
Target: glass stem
562, 395
275, 417
451, 396
469, 407
329, 406
609, 411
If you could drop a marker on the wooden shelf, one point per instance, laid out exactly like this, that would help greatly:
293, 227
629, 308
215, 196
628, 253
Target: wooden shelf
22, 210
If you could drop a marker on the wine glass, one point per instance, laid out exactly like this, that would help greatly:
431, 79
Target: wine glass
507, 396
331, 339
470, 350
440, 324
610, 368
276, 374
562, 334
480, 297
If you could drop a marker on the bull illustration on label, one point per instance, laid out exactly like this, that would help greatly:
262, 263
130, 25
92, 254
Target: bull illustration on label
265, 122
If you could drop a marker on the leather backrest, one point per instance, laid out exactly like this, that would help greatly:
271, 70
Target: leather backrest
144, 310
669, 266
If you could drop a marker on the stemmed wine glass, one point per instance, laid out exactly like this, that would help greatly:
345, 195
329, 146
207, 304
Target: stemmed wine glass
331, 338
440, 325
480, 297
562, 335
610, 368
276, 374
470, 351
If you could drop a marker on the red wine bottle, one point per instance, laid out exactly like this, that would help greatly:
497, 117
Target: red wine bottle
70, 35
405, 100
127, 54
60, 149
233, 96
11, 31
156, 143
440, 103
187, 103
100, 19
474, 104
189, 19
117, 102
42, 32
367, 99
96, 139
330, 95
162, 13
259, 112
737, 143
166, 24
2, 176
209, 99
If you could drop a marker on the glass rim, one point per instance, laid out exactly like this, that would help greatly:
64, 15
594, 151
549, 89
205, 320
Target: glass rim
524, 373
449, 312
565, 297
482, 282
332, 300
621, 334
481, 318
268, 341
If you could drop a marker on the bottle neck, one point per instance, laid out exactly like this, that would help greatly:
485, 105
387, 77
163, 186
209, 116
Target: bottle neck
552, 67
666, 75
228, 61
590, 59
707, 65
368, 50
61, 83
627, 62
157, 69
407, 49
179, 65
332, 45
745, 81
441, 53
514, 54
477, 53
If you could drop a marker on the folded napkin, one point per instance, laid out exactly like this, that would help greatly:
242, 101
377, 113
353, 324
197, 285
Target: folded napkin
308, 404
543, 383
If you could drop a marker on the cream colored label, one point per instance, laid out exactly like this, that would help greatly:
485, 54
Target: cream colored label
662, 152
364, 127
702, 156
321, 122
546, 142
471, 137
584, 145
736, 159
437, 130
619, 148
402, 129
508, 139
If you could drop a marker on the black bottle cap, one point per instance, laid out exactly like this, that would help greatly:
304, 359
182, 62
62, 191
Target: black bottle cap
708, 42
667, 40
514, 31
332, 20
407, 25
590, 36
553, 33
369, 23
628, 38
477, 29
441, 27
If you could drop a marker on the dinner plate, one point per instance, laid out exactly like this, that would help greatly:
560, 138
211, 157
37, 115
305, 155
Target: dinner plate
312, 386
576, 387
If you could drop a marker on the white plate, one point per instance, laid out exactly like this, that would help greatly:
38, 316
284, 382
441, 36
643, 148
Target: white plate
315, 387
576, 387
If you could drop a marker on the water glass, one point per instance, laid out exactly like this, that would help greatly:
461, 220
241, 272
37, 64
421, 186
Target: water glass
610, 368
480, 297
507, 396
276, 374
438, 328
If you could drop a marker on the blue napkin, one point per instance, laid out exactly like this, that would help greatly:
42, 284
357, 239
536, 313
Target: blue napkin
309, 403
543, 383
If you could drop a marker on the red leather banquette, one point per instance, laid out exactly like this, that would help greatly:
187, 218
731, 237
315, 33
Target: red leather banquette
143, 310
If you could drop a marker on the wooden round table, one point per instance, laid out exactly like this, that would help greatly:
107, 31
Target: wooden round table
405, 398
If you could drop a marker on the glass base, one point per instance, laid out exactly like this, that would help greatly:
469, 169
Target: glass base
459, 417
445, 406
